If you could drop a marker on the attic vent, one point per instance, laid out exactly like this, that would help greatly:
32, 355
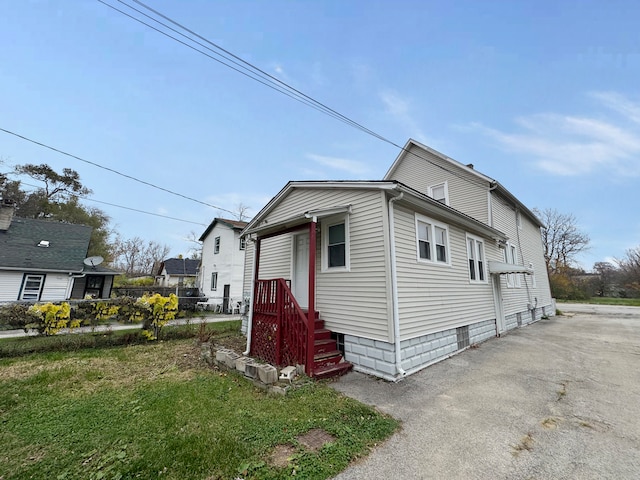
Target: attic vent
44, 243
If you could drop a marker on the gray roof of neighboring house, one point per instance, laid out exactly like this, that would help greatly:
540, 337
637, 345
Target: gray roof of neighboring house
233, 224
67, 247
180, 266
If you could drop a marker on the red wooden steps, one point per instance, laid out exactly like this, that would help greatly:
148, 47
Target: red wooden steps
327, 360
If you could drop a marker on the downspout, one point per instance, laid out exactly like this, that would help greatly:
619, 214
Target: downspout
254, 278
394, 285
71, 283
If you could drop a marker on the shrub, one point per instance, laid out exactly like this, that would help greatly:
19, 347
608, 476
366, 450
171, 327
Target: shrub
53, 318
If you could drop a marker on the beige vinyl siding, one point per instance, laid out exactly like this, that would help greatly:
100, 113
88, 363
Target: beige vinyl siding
55, 287
10, 286
357, 302
435, 297
249, 253
528, 245
275, 258
467, 193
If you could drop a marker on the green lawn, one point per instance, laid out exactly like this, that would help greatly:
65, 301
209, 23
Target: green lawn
630, 302
154, 411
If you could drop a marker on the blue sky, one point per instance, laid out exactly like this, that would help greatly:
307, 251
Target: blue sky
542, 96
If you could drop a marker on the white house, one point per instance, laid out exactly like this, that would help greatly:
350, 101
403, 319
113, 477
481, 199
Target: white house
391, 276
177, 272
43, 260
222, 267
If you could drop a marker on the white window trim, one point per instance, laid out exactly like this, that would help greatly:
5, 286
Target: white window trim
324, 244
511, 257
214, 284
432, 235
25, 278
444, 184
476, 241
216, 245
243, 243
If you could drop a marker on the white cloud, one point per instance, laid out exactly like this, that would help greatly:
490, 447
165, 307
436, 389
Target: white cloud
350, 166
400, 109
577, 145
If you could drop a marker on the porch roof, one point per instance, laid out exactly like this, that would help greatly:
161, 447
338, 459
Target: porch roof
295, 221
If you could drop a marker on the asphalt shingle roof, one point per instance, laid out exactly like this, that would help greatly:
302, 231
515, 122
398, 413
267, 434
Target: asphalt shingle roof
68, 245
181, 266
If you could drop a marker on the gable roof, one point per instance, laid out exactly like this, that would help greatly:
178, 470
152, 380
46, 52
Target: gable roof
233, 224
67, 246
409, 195
493, 184
180, 266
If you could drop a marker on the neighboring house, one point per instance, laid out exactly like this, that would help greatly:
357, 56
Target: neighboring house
174, 272
43, 261
402, 272
222, 267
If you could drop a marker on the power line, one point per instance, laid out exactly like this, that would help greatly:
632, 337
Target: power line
149, 184
120, 206
266, 79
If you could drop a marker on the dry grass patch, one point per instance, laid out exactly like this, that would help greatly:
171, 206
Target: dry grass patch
526, 443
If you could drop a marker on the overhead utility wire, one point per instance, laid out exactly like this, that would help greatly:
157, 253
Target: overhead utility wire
251, 67
120, 206
149, 184
257, 79
291, 91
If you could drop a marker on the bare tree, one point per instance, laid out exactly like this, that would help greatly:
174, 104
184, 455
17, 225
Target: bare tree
135, 257
241, 212
195, 250
561, 239
630, 270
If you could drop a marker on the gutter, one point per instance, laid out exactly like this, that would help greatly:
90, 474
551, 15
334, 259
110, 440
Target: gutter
394, 285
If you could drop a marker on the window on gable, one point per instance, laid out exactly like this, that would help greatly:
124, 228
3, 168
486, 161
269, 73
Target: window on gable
214, 281
243, 243
440, 192
335, 245
32, 287
216, 245
432, 241
475, 253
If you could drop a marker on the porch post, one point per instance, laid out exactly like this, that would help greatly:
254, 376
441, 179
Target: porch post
254, 291
311, 312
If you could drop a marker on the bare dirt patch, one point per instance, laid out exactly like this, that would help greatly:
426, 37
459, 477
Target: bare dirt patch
281, 455
315, 439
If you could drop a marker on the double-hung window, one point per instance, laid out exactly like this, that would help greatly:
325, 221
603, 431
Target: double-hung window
475, 253
31, 287
335, 245
216, 245
432, 241
243, 243
214, 281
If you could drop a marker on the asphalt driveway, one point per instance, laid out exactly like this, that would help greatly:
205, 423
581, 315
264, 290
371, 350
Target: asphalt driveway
559, 399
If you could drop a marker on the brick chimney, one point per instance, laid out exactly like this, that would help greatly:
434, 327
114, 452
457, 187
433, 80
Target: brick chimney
7, 208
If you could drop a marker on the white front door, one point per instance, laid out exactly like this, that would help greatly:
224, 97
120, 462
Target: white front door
300, 273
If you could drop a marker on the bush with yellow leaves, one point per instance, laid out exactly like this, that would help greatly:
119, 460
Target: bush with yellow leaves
52, 318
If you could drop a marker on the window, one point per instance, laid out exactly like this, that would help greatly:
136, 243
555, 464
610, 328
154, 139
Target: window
511, 257
335, 245
214, 281
216, 245
31, 287
475, 253
432, 241
440, 192
243, 243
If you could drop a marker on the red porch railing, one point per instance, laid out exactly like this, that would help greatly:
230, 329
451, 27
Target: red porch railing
280, 331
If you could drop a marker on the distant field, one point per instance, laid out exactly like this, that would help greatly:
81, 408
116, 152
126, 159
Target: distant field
629, 302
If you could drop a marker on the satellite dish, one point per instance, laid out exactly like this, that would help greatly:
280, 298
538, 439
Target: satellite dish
93, 261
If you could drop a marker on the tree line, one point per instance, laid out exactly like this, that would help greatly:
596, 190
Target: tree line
56, 197
563, 241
